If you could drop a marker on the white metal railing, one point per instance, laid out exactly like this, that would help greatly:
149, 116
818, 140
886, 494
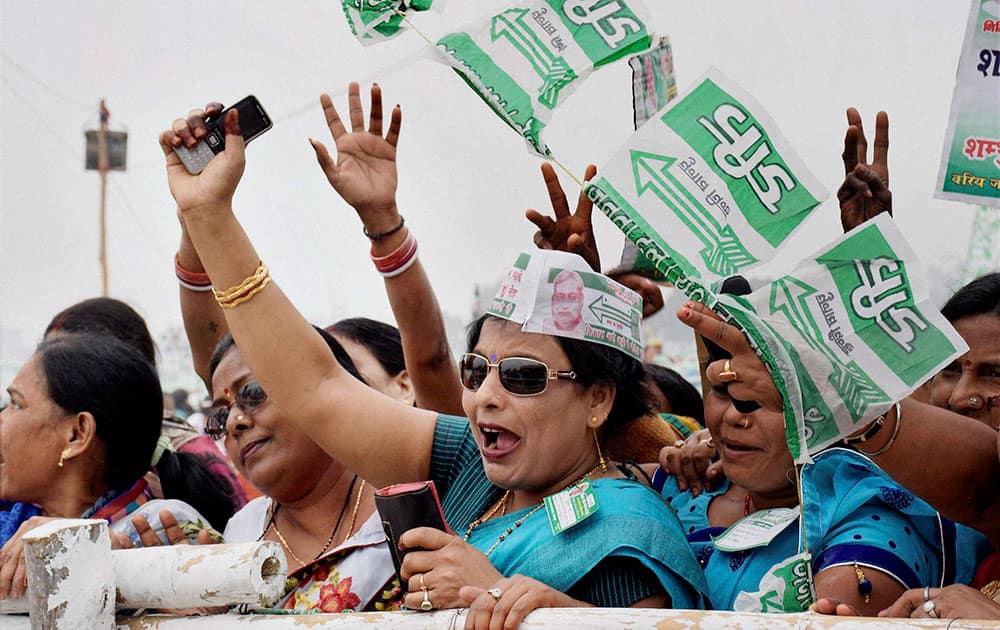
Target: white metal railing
76, 582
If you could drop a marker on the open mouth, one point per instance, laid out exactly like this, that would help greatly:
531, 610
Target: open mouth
498, 441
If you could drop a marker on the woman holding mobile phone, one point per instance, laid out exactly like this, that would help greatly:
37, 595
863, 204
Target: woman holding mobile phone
535, 404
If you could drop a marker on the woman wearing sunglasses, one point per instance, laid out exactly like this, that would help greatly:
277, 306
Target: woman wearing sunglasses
320, 512
530, 432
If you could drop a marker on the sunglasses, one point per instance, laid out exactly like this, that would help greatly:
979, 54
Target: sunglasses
248, 397
518, 375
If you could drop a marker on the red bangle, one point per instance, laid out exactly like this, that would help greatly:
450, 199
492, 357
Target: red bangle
191, 278
399, 260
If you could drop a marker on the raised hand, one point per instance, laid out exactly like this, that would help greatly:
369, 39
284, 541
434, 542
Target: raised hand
652, 297
754, 382
865, 191
572, 233
215, 185
364, 173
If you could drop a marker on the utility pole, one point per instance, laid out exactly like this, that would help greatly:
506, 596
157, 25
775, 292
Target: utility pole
102, 168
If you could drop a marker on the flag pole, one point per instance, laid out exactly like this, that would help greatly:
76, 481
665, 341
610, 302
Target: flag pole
102, 167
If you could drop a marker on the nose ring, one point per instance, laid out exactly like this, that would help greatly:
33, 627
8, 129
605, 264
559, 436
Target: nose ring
746, 422
975, 402
240, 419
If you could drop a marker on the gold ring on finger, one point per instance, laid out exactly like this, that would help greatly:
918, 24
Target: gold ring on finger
727, 375
426, 605
709, 442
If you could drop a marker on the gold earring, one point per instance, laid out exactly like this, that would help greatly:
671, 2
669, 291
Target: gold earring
62, 456
601, 463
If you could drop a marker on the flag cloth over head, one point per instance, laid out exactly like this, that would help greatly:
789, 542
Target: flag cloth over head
846, 332
374, 21
527, 59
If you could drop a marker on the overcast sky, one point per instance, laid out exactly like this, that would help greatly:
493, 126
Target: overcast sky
465, 178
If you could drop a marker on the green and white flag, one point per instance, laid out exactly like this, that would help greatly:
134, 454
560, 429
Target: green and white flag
527, 59
786, 588
970, 160
374, 21
653, 86
556, 293
712, 173
846, 333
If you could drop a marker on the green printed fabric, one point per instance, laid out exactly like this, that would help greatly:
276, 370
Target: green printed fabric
970, 160
846, 332
712, 172
787, 588
653, 86
849, 331
373, 21
527, 59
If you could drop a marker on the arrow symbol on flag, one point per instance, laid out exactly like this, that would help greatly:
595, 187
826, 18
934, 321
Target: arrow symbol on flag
723, 253
852, 384
555, 72
602, 310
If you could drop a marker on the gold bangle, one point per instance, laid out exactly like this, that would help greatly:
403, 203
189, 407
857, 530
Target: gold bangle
257, 276
247, 297
246, 290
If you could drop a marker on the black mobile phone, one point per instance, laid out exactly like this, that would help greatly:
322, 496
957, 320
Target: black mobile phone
253, 122
404, 506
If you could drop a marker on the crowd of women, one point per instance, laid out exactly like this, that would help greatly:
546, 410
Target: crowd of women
904, 515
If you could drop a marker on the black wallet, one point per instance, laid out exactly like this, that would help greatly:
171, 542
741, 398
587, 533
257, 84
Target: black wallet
404, 506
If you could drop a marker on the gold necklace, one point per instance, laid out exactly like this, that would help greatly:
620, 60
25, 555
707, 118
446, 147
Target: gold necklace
601, 466
354, 513
273, 523
285, 544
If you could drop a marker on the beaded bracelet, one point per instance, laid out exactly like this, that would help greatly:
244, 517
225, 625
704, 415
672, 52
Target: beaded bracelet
386, 234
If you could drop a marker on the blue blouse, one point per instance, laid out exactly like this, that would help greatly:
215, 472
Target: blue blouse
631, 523
854, 512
